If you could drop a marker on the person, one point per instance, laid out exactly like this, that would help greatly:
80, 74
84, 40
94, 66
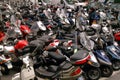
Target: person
93, 16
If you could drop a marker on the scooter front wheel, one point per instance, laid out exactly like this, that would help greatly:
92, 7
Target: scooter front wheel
106, 70
93, 74
116, 65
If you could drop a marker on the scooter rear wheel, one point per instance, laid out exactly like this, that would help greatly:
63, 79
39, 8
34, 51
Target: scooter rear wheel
116, 65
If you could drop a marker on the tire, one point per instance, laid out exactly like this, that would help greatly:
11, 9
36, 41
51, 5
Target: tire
106, 71
93, 74
35, 78
116, 65
4, 69
10, 42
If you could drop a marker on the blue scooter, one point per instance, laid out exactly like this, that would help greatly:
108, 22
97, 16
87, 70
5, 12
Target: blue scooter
112, 50
105, 63
103, 59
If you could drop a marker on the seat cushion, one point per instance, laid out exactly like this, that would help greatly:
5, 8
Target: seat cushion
57, 56
43, 73
81, 54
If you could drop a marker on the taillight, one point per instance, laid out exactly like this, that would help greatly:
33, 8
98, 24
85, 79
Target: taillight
76, 72
83, 60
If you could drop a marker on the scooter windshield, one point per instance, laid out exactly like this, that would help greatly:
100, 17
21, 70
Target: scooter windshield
11, 32
38, 25
85, 41
14, 21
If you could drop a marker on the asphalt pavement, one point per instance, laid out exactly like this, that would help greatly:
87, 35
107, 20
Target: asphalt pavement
115, 76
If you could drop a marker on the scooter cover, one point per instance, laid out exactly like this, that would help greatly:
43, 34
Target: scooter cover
2, 36
21, 44
25, 29
117, 36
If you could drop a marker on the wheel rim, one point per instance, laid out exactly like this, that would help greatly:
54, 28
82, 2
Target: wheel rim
93, 74
106, 70
116, 65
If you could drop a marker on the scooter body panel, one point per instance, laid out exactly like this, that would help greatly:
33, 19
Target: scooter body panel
117, 36
9, 65
93, 59
102, 57
113, 52
71, 73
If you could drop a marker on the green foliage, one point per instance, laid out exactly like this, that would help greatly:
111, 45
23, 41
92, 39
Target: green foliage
117, 1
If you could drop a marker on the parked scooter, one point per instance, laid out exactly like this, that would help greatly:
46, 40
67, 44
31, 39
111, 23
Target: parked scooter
5, 62
89, 45
70, 51
27, 68
111, 49
105, 63
64, 71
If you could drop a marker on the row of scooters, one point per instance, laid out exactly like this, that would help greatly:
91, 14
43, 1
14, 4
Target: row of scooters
56, 43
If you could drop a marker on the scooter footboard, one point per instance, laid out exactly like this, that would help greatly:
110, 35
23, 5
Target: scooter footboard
27, 73
71, 74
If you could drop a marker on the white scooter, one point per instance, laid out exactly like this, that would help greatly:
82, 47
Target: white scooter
27, 71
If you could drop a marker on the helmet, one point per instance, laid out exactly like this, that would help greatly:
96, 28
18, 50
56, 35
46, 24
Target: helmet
97, 27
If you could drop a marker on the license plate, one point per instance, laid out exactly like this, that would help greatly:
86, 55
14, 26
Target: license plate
81, 78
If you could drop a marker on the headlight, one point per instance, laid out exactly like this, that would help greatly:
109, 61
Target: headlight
115, 43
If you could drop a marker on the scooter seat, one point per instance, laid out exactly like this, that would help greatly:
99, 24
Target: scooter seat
63, 66
93, 38
43, 73
79, 56
52, 71
56, 56
66, 66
